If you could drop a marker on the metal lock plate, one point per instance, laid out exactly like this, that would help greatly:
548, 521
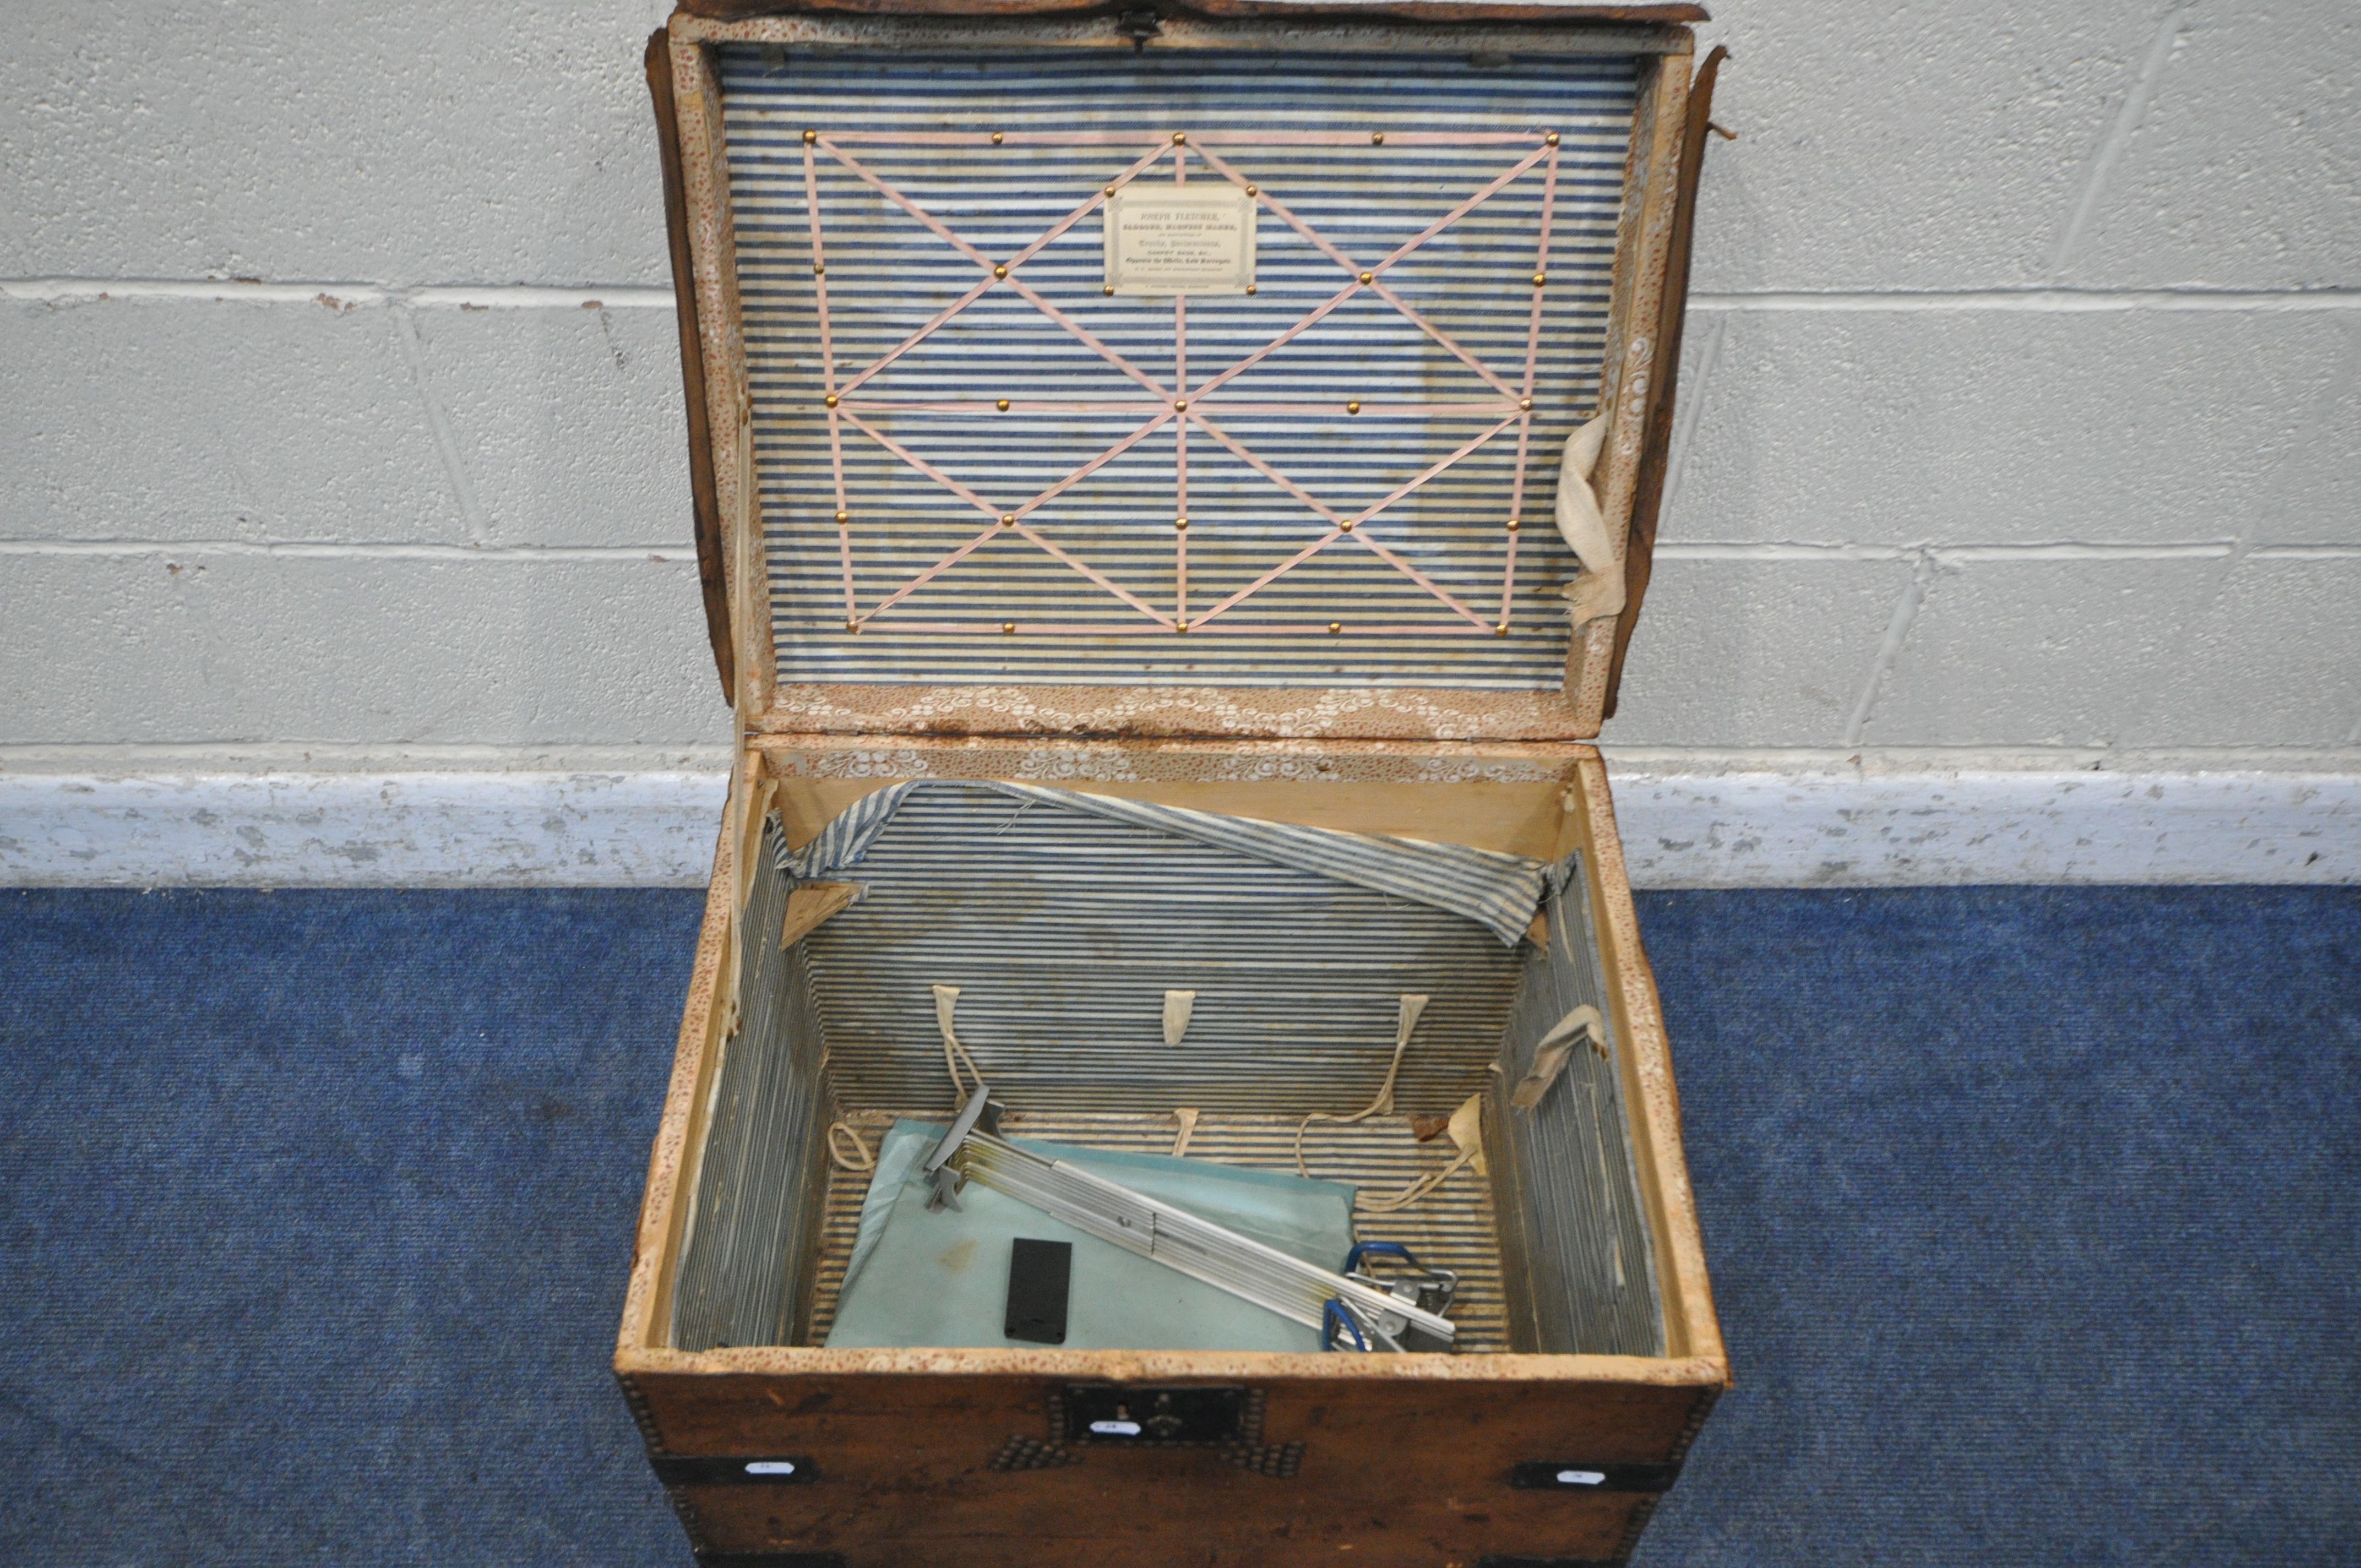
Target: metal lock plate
1110, 1413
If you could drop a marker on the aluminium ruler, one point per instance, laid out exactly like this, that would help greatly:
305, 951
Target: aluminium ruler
1272, 1279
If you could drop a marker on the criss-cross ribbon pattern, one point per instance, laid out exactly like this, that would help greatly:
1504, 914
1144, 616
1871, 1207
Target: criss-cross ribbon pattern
854, 410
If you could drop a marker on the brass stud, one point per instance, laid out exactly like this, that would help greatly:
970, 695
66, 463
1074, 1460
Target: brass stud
1181, 524
819, 269
1376, 138
1179, 403
830, 399
1000, 273
1551, 139
1254, 189
1335, 626
1513, 525
1524, 405
1369, 276
995, 138
1008, 627
1250, 288
1345, 526
811, 136
1180, 624
853, 627
1000, 403
1106, 288
842, 518
1108, 192
1352, 407
1501, 629
1008, 519
1179, 138
1540, 279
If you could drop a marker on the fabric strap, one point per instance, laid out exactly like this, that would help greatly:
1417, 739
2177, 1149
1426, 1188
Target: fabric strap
1177, 1006
1550, 1053
1598, 591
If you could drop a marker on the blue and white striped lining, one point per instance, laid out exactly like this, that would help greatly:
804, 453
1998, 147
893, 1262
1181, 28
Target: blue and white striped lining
1497, 890
887, 275
1063, 929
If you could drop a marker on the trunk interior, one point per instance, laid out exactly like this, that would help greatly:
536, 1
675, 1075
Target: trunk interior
1065, 933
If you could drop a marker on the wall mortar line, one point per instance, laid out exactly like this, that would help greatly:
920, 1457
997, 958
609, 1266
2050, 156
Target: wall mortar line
337, 295
69, 291
2032, 301
309, 549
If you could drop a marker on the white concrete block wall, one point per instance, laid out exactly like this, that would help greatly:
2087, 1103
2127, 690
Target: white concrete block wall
2021, 433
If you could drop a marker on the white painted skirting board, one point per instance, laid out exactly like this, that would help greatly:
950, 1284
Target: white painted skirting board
385, 829
1680, 829
1760, 829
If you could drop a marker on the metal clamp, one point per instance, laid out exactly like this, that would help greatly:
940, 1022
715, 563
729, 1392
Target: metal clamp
945, 1178
1418, 1292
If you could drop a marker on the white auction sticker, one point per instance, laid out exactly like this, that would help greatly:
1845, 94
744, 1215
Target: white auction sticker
1181, 239
1581, 1478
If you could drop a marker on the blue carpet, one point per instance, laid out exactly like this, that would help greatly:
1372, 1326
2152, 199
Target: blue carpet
2032, 1212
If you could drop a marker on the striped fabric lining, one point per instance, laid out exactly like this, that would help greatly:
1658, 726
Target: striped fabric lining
1570, 1198
759, 1186
1497, 890
1063, 929
887, 275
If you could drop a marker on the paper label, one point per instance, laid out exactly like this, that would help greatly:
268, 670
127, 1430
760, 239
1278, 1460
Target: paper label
1179, 239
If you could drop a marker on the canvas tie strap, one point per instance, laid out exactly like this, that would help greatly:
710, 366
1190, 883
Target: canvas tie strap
1187, 1116
1550, 1053
1177, 1006
845, 1150
1405, 1023
946, 1000
1468, 1133
1598, 591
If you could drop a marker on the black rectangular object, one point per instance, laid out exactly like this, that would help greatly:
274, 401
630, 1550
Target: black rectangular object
1040, 1275
1153, 1417
733, 1470
1580, 1475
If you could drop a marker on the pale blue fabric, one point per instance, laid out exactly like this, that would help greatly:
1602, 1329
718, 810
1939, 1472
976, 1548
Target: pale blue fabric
941, 1279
